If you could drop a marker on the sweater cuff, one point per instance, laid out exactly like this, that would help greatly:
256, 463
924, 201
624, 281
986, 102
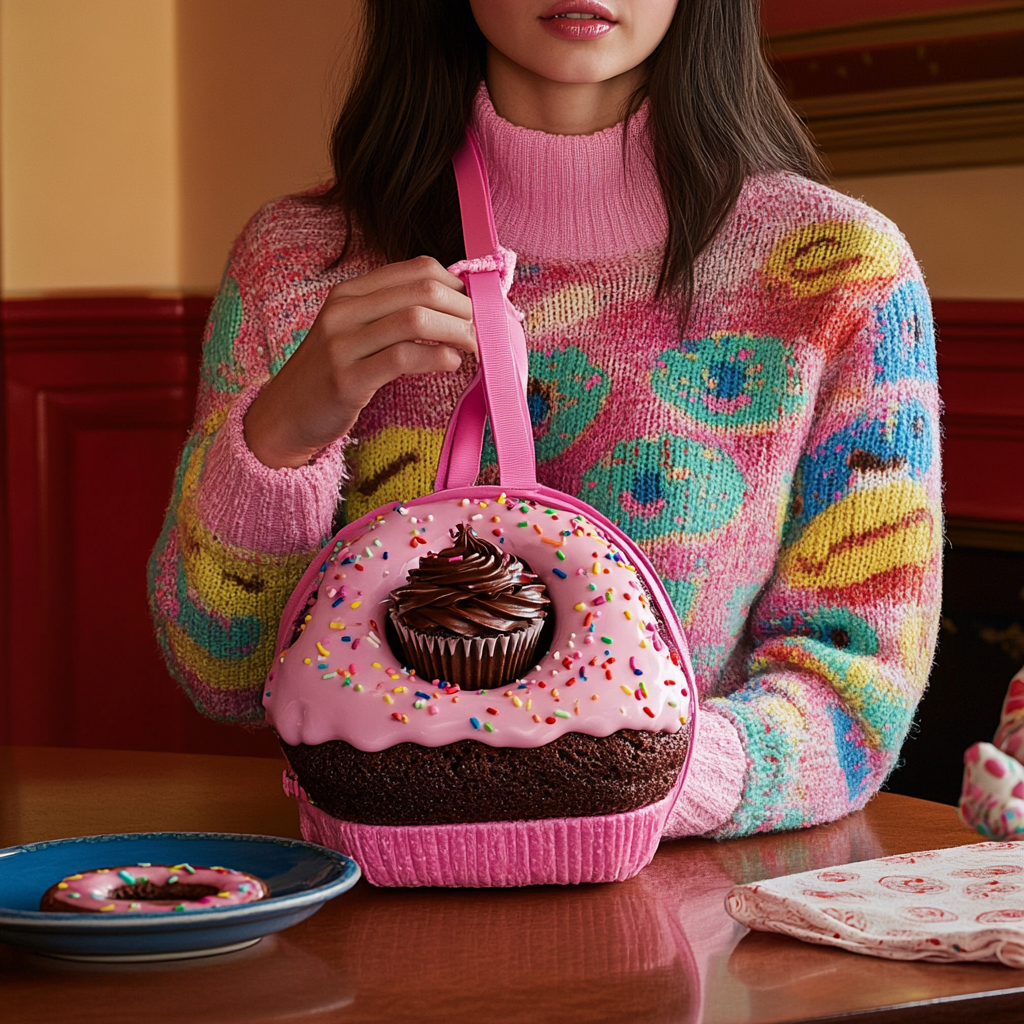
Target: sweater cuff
714, 779
274, 511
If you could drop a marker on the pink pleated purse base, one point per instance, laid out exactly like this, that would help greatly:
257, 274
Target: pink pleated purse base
493, 854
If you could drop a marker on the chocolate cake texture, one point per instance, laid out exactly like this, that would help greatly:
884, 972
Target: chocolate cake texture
575, 775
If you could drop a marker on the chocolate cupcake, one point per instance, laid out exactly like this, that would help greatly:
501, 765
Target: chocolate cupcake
471, 614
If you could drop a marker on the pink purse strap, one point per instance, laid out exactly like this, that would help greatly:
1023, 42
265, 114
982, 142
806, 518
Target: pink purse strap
478, 231
499, 390
459, 463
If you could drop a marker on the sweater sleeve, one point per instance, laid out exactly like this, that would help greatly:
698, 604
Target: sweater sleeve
714, 780
839, 642
237, 536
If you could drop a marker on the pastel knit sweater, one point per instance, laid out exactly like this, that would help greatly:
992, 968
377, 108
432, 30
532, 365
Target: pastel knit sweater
778, 460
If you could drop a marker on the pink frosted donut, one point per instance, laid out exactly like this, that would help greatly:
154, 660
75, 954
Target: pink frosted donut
607, 668
152, 889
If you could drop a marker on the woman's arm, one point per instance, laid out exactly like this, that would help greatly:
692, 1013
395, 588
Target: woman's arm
839, 642
289, 360
237, 535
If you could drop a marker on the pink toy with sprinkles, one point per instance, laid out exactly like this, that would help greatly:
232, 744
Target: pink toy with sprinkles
612, 664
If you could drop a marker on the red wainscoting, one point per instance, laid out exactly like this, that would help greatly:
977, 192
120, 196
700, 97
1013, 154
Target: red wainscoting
99, 395
981, 372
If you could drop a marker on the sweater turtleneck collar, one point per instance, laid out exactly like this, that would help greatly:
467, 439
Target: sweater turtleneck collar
570, 196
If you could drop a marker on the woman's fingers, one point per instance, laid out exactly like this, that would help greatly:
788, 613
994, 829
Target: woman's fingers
427, 292
413, 323
400, 320
424, 309
396, 275
408, 359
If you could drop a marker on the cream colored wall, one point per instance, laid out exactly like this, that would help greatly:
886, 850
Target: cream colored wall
965, 226
139, 135
259, 83
90, 171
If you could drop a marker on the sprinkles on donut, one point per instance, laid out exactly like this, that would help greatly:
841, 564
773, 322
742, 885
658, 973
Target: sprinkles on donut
152, 889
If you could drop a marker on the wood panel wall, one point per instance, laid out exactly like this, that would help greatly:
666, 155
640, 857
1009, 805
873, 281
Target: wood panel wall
99, 396
981, 371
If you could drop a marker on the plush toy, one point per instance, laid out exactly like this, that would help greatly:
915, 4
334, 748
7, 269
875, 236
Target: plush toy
992, 800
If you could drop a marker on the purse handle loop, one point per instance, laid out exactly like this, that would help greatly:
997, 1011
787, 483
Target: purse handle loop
499, 390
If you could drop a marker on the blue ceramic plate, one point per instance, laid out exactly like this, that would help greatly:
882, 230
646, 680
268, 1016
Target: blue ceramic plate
301, 877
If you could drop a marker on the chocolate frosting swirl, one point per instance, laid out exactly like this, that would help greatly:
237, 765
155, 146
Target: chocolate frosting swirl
470, 589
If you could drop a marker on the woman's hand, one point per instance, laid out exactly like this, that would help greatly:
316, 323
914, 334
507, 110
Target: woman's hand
400, 320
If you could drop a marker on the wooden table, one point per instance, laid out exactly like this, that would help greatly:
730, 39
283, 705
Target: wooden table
657, 948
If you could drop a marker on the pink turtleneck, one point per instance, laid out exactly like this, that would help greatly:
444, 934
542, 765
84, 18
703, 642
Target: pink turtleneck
571, 196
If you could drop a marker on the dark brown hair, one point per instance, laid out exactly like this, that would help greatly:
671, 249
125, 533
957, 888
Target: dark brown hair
716, 115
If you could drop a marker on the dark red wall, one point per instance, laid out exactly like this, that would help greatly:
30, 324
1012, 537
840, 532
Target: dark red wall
99, 395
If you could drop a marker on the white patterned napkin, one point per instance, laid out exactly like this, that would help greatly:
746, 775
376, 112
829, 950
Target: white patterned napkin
965, 903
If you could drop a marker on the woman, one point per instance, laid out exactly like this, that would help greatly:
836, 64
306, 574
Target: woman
728, 358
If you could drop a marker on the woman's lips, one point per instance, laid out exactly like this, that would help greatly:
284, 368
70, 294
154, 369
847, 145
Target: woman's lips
578, 20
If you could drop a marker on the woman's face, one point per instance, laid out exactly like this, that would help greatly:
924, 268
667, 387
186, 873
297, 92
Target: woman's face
577, 42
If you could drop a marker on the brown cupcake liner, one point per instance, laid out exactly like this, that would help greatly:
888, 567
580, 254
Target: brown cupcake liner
474, 663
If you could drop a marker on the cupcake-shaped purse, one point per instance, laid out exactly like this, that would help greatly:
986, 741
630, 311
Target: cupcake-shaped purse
487, 685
